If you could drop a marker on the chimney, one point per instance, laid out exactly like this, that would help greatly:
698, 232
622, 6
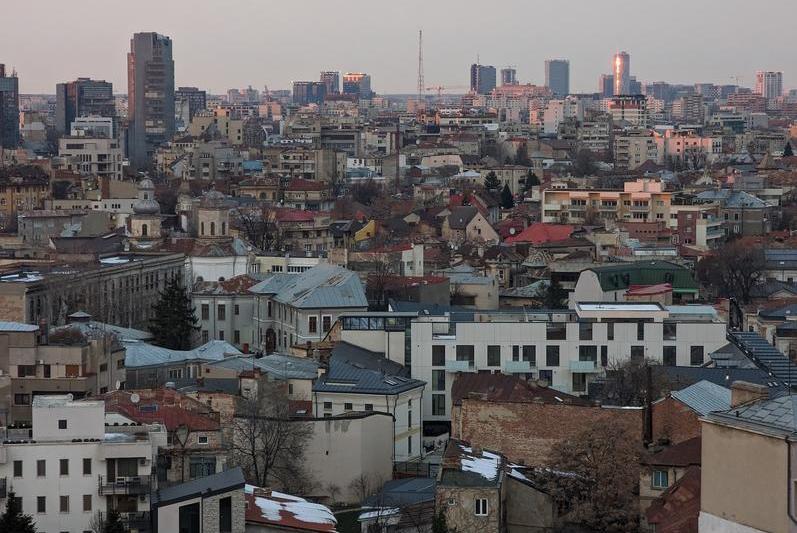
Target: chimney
743, 392
44, 331
476, 451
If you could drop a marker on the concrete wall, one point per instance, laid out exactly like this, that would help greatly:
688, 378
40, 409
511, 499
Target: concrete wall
528, 510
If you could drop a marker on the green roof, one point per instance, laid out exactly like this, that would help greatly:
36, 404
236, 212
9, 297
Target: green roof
622, 275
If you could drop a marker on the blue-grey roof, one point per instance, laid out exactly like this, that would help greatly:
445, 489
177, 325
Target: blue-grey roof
733, 199
778, 415
323, 286
354, 379
704, 397
679, 377
402, 492
779, 313
206, 486
94, 329
142, 354
275, 365
362, 358
780, 258
17, 326
764, 355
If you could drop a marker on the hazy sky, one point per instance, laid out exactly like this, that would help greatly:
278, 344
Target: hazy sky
220, 44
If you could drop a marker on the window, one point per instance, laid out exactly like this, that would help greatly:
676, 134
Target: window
369, 407
640, 331
72, 371
546, 375
552, 356
221, 335
604, 356
312, 324
409, 445
64, 504
556, 331
494, 355
205, 311
696, 355
221, 312
327, 406
63, 467
610, 331
21, 399
438, 404
188, 521
225, 515
62, 424
588, 353
202, 439
585, 331
481, 506
47, 371
236, 337
205, 336
268, 308
86, 503
668, 356
26, 371
348, 406
660, 480
530, 354
41, 504
87, 466
17, 468
326, 323
670, 330
579, 383
438, 380
236, 310
465, 352
637, 353
41, 468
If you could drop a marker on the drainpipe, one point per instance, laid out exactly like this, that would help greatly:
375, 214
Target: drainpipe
789, 489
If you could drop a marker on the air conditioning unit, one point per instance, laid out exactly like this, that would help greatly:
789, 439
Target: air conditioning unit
121, 480
142, 498
142, 461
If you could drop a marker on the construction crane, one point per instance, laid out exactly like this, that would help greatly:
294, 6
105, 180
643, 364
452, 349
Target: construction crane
440, 88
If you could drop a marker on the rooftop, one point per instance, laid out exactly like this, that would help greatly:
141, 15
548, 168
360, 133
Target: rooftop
141, 354
355, 378
284, 511
204, 487
704, 397
323, 286
465, 467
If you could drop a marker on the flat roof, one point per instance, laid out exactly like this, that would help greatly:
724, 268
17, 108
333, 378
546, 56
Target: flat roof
620, 306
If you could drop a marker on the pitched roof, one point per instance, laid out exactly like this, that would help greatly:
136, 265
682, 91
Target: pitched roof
277, 366
403, 492
164, 406
285, 511
623, 275
539, 233
678, 508
507, 388
323, 286
460, 217
235, 285
464, 466
686, 453
206, 486
704, 397
778, 416
139, 353
354, 378
764, 355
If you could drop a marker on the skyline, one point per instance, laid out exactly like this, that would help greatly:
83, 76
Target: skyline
217, 53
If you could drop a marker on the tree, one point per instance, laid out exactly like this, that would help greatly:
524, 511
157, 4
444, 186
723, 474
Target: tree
439, 524
113, 523
555, 295
733, 270
627, 383
507, 201
594, 478
787, 150
531, 180
174, 323
13, 519
584, 164
267, 443
259, 227
367, 193
491, 182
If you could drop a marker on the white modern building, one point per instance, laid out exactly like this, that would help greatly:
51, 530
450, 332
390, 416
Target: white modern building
92, 156
71, 465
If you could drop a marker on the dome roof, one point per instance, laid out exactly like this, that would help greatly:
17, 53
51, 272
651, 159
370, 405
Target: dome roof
146, 207
213, 198
146, 184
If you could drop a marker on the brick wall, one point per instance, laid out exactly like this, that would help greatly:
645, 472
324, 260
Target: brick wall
674, 420
525, 432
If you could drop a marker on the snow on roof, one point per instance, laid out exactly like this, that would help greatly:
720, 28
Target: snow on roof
379, 512
285, 510
486, 465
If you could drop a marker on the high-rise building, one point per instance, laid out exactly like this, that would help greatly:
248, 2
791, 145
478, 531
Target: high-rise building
150, 92
634, 86
557, 76
769, 84
621, 69
191, 97
9, 109
508, 76
83, 97
331, 79
482, 78
606, 85
357, 84
309, 92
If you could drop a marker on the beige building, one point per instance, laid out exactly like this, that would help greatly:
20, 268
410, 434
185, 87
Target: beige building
93, 156
221, 121
468, 224
632, 149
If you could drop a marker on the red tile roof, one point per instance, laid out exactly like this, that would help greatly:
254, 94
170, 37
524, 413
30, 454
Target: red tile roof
685, 453
539, 233
678, 509
299, 184
287, 512
173, 409
505, 388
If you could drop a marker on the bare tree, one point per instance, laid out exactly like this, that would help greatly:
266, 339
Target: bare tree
259, 227
627, 383
267, 443
361, 485
733, 270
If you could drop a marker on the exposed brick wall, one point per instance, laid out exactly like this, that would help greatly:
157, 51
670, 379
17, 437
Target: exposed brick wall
525, 432
675, 421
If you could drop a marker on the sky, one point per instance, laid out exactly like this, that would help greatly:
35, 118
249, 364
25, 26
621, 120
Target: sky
219, 44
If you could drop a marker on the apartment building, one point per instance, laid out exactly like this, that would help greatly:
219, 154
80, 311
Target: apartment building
92, 156
221, 122
640, 200
72, 465
225, 310
633, 148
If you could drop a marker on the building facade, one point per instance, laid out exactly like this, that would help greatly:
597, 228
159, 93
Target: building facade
557, 76
82, 98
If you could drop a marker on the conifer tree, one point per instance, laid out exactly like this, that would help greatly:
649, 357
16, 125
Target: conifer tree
13, 519
174, 323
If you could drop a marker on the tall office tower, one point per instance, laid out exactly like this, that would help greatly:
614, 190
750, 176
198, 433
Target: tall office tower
309, 92
659, 90
331, 79
557, 76
191, 97
508, 76
150, 93
357, 84
634, 87
606, 85
83, 97
621, 69
769, 84
482, 78
9, 109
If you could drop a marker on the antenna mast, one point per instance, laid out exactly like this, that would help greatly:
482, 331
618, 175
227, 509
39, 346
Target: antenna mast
421, 84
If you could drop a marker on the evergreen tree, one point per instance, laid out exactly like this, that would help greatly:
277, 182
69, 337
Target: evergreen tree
555, 296
113, 524
507, 201
174, 323
439, 524
13, 519
531, 180
787, 151
491, 182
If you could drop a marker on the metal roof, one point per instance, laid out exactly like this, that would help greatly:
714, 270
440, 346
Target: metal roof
779, 414
623, 275
17, 326
764, 355
350, 378
704, 397
141, 354
276, 365
228, 480
323, 286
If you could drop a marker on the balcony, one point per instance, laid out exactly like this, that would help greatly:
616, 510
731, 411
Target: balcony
136, 521
124, 485
584, 367
460, 366
518, 367
640, 207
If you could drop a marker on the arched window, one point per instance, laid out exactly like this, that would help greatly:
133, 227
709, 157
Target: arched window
223, 228
143, 230
213, 228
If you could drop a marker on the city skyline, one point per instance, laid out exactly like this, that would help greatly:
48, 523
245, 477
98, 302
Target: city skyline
246, 51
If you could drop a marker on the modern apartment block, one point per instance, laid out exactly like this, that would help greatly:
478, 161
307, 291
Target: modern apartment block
190, 100
71, 465
331, 80
92, 156
150, 92
83, 97
769, 84
640, 200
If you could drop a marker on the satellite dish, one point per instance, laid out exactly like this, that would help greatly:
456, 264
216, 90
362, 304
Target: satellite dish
135, 398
